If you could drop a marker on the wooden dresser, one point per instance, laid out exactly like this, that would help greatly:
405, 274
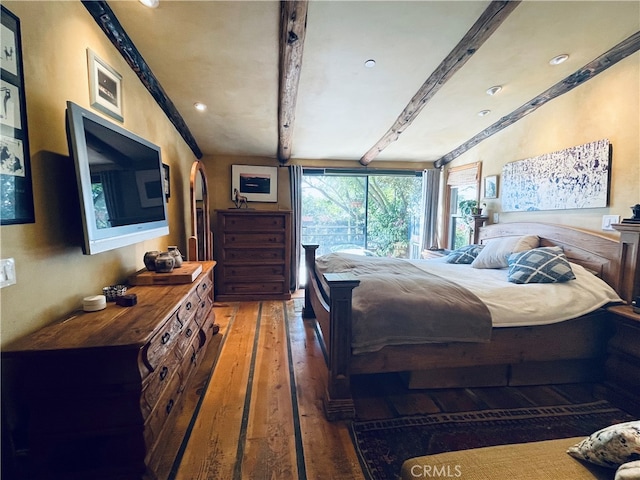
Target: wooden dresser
253, 250
93, 394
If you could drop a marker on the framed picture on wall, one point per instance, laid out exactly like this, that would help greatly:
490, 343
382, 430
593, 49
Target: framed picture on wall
258, 184
166, 180
16, 191
491, 186
105, 87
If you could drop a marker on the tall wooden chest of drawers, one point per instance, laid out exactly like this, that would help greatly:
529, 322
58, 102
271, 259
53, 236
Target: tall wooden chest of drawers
97, 393
253, 250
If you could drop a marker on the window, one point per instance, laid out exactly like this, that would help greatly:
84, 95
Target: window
463, 183
374, 213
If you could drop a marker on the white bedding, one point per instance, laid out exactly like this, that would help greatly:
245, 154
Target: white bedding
513, 305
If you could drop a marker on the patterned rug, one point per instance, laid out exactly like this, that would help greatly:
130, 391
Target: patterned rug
383, 445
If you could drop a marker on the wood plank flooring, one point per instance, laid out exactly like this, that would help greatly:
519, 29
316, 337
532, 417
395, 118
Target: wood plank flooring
260, 415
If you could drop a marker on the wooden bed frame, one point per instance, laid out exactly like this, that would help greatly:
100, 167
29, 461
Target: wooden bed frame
515, 355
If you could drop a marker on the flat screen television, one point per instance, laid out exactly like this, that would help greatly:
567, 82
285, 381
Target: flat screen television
120, 182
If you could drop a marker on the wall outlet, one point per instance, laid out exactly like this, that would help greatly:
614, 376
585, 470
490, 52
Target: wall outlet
7, 272
608, 220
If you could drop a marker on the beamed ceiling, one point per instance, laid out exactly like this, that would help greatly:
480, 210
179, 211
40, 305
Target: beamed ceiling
287, 80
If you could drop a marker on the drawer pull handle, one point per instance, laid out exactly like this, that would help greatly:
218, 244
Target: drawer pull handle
163, 373
169, 406
189, 306
204, 286
194, 357
203, 304
165, 338
188, 332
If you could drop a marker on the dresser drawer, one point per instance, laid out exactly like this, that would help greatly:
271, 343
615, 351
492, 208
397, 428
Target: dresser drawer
158, 381
205, 306
232, 272
162, 411
188, 307
231, 222
162, 342
230, 239
252, 255
205, 287
255, 288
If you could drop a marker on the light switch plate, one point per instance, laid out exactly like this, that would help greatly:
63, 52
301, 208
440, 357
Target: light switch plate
7, 272
607, 220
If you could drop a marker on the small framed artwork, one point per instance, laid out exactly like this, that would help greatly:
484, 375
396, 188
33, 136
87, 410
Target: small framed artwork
258, 184
166, 180
491, 186
105, 87
16, 190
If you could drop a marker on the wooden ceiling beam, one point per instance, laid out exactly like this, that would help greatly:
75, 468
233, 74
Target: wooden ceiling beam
293, 28
482, 29
622, 50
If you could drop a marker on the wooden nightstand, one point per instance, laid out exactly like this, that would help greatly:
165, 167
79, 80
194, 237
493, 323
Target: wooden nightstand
622, 368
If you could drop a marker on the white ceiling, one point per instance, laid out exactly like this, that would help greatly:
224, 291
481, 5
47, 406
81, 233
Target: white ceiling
226, 55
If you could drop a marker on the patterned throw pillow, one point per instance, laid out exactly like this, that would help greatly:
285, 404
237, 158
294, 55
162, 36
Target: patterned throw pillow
466, 254
610, 447
540, 265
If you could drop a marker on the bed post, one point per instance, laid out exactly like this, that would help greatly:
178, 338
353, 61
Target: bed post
338, 403
629, 273
309, 262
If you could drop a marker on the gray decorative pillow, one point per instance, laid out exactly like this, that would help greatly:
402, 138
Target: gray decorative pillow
466, 254
540, 265
610, 447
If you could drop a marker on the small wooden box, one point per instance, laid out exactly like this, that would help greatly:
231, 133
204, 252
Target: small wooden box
186, 273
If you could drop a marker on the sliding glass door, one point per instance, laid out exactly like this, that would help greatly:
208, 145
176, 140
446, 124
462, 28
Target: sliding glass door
375, 214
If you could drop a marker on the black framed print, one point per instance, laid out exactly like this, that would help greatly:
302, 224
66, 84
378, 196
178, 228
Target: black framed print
16, 190
166, 180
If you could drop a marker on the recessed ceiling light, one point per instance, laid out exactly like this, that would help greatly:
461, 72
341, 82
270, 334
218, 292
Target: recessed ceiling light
493, 90
482, 113
150, 3
201, 107
370, 63
559, 59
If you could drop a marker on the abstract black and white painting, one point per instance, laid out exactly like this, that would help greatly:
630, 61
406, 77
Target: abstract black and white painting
577, 177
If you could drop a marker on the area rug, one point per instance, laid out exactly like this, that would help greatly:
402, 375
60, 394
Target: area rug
383, 445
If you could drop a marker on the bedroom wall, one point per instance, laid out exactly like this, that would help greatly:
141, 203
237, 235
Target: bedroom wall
52, 273
607, 106
219, 176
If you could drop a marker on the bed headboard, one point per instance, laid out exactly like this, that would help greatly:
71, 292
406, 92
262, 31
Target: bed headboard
596, 253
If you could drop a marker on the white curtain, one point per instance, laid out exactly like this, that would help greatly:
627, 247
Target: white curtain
430, 195
295, 180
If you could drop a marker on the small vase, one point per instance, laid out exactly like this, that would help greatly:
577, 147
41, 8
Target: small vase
177, 257
164, 262
150, 260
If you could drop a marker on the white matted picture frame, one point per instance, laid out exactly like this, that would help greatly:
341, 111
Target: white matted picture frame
105, 87
258, 184
491, 186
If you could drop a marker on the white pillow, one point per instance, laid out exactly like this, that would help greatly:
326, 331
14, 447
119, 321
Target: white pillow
497, 251
628, 471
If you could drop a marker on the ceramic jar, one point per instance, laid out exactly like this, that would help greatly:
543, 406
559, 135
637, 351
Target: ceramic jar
177, 256
150, 260
165, 262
